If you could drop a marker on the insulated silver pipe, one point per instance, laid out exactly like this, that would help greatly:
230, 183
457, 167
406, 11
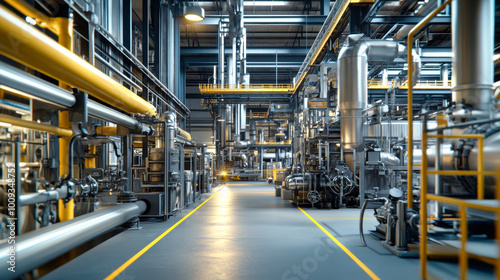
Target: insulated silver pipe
170, 47
35, 87
352, 75
472, 24
221, 55
39, 89
107, 114
43, 196
35, 248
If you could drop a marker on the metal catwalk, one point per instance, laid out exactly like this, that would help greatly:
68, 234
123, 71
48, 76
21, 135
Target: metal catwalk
244, 232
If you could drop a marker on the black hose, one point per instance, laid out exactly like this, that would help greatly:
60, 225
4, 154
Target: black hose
361, 214
361, 235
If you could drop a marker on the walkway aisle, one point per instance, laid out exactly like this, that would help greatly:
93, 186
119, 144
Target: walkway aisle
243, 232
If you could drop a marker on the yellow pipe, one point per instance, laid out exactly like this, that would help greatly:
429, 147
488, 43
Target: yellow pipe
480, 168
413, 31
36, 126
184, 133
106, 130
26, 45
326, 37
66, 210
90, 161
41, 19
462, 260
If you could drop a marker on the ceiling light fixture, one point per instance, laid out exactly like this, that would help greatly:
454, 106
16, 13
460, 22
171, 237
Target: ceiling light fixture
194, 12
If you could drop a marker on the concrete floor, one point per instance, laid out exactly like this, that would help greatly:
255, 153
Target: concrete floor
245, 232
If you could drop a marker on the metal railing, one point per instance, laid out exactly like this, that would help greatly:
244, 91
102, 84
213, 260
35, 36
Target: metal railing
249, 89
463, 204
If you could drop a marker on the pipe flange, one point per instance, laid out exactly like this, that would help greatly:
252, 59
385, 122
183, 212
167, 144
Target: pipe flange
71, 190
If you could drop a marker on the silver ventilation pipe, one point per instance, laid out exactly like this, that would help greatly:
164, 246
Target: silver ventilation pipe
472, 47
221, 36
261, 135
352, 75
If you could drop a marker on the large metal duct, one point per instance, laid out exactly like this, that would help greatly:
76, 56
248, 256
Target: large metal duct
352, 78
472, 47
38, 247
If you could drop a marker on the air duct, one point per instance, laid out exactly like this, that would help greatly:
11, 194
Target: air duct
352, 75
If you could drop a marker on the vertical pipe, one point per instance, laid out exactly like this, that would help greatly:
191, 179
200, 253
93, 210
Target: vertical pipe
276, 68
178, 87
444, 75
17, 183
65, 38
323, 93
385, 78
221, 55
472, 47
170, 48
215, 74
401, 241
235, 70
439, 179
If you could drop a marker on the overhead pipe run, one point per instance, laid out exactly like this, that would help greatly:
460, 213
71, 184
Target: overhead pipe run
38, 51
35, 248
36, 88
352, 75
36, 126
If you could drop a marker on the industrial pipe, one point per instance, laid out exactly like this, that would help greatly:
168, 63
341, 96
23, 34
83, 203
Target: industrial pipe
39, 89
352, 75
36, 88
472, 25
43, 196
35, 248
36, 126
38, 51
183, 133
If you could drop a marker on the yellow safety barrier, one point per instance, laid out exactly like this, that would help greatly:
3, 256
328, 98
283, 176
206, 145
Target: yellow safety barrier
463, 204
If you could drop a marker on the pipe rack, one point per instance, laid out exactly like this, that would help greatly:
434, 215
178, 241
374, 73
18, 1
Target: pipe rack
38, 51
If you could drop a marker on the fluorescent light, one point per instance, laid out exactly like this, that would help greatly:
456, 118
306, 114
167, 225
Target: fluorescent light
266, 3
496, 57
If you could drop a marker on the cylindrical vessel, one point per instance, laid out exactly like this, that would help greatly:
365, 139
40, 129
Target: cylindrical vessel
472, 47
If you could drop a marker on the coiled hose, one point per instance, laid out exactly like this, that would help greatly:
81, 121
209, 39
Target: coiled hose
361, 214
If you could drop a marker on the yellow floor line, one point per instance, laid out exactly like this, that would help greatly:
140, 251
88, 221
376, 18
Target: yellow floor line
145, 249
349, 253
